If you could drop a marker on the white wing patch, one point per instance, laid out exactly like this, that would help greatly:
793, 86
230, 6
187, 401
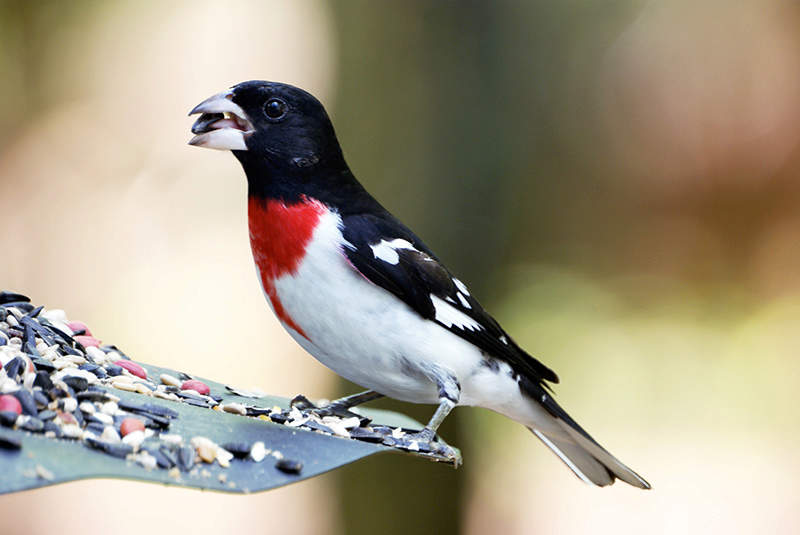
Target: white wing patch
387, 250
461, 286
463, 300
449, 316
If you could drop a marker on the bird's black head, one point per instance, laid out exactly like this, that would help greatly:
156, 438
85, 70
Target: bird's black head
281, 135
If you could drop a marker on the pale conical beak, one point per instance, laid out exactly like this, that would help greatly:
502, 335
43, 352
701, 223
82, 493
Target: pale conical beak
223, 124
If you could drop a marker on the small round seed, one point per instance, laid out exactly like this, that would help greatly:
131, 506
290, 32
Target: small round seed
130, 425
10, 403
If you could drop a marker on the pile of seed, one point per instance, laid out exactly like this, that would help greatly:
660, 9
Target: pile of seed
58, 380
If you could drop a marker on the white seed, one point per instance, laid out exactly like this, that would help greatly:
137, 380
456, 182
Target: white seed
28, 381
87, 407
206, 453
145, 459
110, 435
208, 450
171, 438
54, 314
8, 385
141, 389
134, 439
338, 428
297, 423
109, 407
170, 380
258, 452
249, 393
62, 362
234, 408
351, 422
224, 457
51, 353
97, 355
125, 378
202, 441
166, 395
104, 418
70, 404
44, 473
121, 385
62, 326
71, 430
8, 352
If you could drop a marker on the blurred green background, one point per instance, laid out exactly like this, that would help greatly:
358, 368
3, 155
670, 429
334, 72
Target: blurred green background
617, 181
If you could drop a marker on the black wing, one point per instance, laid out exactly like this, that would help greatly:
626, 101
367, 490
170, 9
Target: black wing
388, 254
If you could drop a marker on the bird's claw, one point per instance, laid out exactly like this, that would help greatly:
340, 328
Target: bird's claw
425, 442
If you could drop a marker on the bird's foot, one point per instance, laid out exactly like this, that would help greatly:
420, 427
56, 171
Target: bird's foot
425, 443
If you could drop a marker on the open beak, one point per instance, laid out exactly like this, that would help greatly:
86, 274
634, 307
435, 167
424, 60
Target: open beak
222, 125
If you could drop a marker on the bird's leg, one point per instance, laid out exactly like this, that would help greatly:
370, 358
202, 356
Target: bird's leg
428, 433
449, 394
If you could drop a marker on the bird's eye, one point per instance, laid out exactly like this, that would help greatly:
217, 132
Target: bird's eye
275, 109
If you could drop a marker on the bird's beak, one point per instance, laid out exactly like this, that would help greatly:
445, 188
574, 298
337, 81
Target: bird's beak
223, 124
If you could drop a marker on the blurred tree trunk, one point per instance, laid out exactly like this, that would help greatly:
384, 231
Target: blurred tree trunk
415, 103
468, 120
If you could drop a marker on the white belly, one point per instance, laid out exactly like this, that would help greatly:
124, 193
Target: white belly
370, 337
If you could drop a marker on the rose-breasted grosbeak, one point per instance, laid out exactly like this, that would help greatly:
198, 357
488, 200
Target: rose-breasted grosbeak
362, 293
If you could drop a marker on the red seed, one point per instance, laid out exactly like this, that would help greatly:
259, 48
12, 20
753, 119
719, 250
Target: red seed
129, 425
198, 386
66, 417
10, 403
87, 341
76, 326
132, 367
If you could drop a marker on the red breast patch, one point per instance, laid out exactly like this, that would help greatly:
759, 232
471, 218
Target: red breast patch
279, 234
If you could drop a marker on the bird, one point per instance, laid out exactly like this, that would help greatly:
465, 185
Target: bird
362, 293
